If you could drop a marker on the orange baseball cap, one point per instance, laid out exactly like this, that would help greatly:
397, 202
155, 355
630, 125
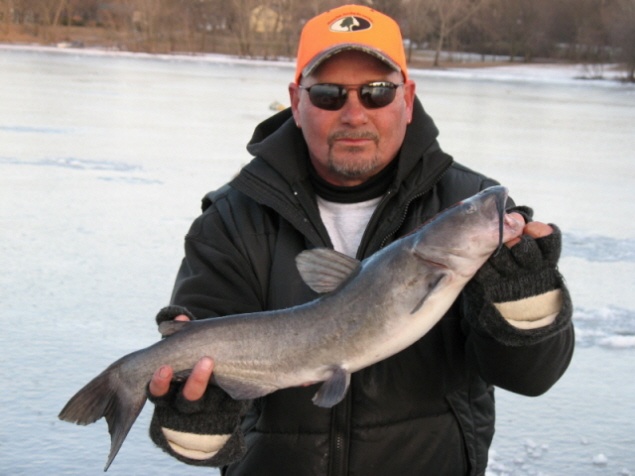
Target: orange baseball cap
351, 27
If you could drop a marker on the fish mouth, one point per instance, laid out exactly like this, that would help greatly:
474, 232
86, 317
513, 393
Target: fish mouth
436, 264
501, 200
428, 261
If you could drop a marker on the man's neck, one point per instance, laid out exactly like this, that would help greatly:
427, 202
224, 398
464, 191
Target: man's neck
374, 187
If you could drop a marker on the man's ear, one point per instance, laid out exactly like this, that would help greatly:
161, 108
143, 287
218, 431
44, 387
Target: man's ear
409, 89
294, 97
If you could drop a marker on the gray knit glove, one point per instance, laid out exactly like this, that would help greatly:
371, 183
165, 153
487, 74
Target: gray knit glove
168, 313
525, 270
213, 415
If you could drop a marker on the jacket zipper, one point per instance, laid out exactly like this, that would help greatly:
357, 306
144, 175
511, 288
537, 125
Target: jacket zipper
340, 437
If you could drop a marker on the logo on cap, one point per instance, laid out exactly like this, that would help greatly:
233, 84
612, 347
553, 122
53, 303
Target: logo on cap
350, 23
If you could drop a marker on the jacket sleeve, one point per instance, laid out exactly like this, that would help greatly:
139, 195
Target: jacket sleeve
518, 317
219, 272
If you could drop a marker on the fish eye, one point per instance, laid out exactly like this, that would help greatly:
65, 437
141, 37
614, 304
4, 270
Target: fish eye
470, 208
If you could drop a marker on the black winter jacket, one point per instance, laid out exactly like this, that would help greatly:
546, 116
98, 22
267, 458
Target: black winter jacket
428, 410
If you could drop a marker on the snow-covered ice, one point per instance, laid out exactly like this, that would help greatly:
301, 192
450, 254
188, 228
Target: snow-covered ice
104, 157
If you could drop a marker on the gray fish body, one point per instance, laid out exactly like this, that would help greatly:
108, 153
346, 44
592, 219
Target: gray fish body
371, 310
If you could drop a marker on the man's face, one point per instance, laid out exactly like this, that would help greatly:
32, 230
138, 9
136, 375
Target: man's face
350, 145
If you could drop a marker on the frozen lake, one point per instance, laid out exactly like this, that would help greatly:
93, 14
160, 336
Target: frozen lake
104, 159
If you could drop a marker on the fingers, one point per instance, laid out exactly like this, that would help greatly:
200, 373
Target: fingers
197, 382
519, 218
535, 229
195, 385
160, 383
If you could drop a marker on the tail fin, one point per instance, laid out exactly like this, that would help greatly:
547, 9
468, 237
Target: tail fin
104, 396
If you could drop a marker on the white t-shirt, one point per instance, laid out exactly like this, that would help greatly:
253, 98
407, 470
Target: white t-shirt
346, 222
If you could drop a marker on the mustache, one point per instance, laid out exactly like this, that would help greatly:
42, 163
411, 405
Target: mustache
352, 135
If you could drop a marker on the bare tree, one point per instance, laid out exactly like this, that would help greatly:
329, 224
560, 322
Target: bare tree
452, 15
61, 6
392, 8
6, 15
522, 27
45, 14
418, 25
239, 16
622, 20
211, 20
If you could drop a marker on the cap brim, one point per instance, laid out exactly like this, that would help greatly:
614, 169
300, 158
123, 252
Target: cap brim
329, 53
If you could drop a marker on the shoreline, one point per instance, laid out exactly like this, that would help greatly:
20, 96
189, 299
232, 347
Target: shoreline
603, 74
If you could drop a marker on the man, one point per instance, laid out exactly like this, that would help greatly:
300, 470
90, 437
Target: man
354, 164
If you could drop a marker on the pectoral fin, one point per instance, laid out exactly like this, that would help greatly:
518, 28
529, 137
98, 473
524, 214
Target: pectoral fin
334, 389
432, 284
324, 269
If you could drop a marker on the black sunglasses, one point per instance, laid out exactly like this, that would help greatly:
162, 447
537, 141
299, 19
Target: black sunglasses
332, 97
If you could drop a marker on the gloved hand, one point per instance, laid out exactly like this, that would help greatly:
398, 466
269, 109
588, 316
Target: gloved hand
195, 421
205, 432
518, 289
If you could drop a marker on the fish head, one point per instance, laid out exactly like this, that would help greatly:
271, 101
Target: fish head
465, 235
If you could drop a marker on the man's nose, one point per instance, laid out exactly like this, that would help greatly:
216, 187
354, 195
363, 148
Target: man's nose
353, 112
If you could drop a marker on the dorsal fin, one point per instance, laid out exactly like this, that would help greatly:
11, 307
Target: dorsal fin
324, 269
167, 328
